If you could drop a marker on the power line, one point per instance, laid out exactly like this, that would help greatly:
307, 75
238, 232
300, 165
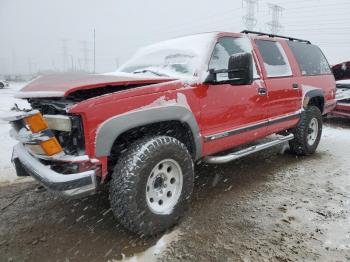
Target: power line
64, 54
94, 50
85, 51
197, 23
295, 1
313, 7
317, 24
216, 18
324, 34
309, 2
209, 18
31, 65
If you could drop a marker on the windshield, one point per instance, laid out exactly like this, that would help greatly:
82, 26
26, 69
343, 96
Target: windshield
180, 57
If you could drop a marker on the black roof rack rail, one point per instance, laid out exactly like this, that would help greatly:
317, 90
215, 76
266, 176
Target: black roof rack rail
273, 35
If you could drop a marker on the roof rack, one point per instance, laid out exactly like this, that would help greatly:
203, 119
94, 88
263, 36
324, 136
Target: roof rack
273, 35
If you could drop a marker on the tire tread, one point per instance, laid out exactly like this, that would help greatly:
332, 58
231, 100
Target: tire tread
125, 179
299, 145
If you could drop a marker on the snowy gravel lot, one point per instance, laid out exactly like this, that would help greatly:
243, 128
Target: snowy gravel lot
7, 172
266, 207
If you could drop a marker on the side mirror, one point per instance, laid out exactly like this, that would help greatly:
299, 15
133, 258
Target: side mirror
240, 69
239, 72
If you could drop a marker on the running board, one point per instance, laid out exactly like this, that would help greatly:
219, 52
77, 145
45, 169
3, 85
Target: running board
247, 151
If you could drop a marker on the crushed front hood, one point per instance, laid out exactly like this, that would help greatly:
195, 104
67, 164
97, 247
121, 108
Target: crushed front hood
64, 84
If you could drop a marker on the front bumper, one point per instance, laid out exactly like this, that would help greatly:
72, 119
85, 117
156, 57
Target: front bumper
77, 184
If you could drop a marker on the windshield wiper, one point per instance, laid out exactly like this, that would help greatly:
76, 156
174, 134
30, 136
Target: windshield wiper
150, 71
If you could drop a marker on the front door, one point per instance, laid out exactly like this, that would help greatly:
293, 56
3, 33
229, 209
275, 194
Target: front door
232, 114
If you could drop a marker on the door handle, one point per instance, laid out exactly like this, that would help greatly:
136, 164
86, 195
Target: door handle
262, 91
295, 86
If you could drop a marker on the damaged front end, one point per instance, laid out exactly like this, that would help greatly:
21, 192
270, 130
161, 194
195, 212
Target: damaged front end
341, 71
54, 147
342, 108
341, 74
51, 149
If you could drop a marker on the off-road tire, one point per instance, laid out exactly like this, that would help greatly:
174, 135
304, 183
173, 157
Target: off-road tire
129, 179
2, 85
299, 145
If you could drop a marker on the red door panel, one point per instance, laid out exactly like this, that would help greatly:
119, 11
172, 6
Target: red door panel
284, 96
284, 91
226, 108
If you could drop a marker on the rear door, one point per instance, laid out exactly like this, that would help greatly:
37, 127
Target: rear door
283, 91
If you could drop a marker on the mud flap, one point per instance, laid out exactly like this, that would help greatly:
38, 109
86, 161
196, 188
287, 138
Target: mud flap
19, 168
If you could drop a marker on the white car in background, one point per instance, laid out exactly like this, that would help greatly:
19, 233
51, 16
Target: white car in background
3, 83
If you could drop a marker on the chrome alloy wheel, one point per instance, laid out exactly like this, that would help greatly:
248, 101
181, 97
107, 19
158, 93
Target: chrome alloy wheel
164, 186
313, 131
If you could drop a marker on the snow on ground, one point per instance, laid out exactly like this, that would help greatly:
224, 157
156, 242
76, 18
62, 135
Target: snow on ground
154, 252
265, 207
343, 81
7, 100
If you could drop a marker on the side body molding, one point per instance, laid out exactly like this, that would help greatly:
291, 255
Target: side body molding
109, 130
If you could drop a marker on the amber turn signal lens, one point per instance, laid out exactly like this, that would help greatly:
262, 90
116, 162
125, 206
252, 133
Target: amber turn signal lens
36, 123
51, 146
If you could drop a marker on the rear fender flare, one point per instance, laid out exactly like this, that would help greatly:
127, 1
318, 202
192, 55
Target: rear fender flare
310, 92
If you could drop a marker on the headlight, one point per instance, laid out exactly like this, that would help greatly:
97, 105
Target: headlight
59, 122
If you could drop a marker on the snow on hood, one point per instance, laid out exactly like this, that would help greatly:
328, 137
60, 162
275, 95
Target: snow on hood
65, 84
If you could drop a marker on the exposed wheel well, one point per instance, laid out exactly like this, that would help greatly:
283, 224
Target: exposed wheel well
176, 129
317, 101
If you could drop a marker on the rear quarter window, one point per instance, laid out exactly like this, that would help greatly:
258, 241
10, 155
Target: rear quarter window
310, 59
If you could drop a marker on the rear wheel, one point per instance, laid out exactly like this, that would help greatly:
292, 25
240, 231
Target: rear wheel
152, 184
2, 85
308, 132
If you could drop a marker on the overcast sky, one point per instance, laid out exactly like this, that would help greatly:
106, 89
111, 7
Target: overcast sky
33, 32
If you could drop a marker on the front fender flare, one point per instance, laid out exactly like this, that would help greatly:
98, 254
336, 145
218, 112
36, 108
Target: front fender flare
113, 127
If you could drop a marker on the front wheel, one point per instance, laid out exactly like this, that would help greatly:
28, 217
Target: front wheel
152, 184
308, 132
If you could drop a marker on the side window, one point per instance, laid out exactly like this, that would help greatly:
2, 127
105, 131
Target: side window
226, 47
310, 59
275, 59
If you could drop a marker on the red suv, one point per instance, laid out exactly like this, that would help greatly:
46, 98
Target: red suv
192, 98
